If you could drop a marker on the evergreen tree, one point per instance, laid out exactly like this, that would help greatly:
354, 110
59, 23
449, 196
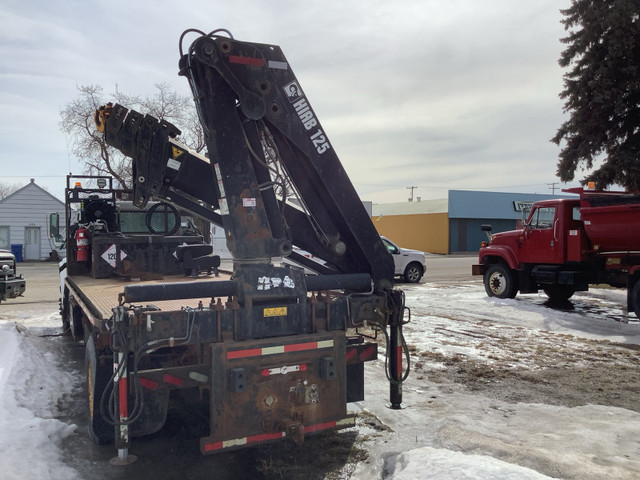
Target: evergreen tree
601, 93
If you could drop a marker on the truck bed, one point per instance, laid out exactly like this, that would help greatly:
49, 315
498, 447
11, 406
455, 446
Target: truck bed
99, 295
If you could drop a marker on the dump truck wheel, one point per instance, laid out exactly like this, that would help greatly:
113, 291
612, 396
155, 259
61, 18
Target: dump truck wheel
97, 376
500, 282
635, 298
559, 293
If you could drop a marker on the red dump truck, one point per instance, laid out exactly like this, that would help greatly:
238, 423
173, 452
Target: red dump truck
566, 245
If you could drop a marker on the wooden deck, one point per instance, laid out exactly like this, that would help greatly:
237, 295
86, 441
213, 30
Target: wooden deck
100, 295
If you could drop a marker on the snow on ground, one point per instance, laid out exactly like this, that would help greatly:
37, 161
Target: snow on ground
495, 412
498, 422
31, 385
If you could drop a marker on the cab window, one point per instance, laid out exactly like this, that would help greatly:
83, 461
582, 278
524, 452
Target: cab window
576, 214
542, 218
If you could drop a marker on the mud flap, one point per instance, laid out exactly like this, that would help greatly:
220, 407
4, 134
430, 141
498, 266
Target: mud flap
98, 375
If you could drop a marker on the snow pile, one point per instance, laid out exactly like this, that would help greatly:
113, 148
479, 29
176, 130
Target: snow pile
31, 385
440, 464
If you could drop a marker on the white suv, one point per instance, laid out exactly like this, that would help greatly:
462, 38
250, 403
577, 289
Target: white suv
409, 264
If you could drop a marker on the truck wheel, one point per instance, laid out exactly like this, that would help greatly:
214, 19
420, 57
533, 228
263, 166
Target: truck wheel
75, 322
64, 313
413, 273
559, 293
635, 298
97, 376
500, 282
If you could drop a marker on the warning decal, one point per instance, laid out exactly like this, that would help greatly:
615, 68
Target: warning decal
110, 255
176, 152
275, 312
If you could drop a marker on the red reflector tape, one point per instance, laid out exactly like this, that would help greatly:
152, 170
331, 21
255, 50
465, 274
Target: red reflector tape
239, 442
368, 353
254, 62
210, 447
254, 352
122, 398
172, 380
149, 384
319, 426
264, 437
298, 347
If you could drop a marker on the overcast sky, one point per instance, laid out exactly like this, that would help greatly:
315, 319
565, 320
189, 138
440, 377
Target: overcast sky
446, 94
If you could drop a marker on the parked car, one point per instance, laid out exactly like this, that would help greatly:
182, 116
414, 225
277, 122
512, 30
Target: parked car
11, 285
410, 264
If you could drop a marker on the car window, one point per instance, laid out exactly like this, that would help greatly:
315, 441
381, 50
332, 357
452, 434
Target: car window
390, 246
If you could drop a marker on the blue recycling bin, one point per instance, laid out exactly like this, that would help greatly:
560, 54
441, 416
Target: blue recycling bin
16, 249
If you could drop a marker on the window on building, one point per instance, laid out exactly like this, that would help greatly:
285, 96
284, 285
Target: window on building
4, 238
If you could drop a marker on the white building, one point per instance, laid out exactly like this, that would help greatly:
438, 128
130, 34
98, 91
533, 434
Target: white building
24, 221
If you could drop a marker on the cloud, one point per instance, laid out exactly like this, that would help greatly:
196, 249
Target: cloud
422, 92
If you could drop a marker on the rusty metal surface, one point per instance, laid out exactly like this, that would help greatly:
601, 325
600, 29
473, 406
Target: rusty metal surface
103, 293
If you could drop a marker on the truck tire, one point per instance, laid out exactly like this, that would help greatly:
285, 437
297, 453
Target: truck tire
559, 293
98, 376
76, 326
499, 281
635, 298
64, 312
413, 273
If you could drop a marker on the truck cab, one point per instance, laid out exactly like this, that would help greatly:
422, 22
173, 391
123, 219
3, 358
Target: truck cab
542, 254
566, 245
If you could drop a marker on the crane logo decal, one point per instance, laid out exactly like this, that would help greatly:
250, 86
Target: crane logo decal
306, 116
293, 91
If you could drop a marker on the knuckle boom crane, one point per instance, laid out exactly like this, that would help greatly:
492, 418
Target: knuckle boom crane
279, 357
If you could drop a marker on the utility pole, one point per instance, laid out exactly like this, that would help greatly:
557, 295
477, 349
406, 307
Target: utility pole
553, 187
412, 189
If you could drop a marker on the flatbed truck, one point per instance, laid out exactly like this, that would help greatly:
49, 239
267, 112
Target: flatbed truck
276, 353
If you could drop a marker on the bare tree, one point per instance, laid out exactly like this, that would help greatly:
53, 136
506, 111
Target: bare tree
77, 121
6, 189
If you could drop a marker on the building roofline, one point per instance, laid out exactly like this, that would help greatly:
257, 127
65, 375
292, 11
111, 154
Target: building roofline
32, 182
